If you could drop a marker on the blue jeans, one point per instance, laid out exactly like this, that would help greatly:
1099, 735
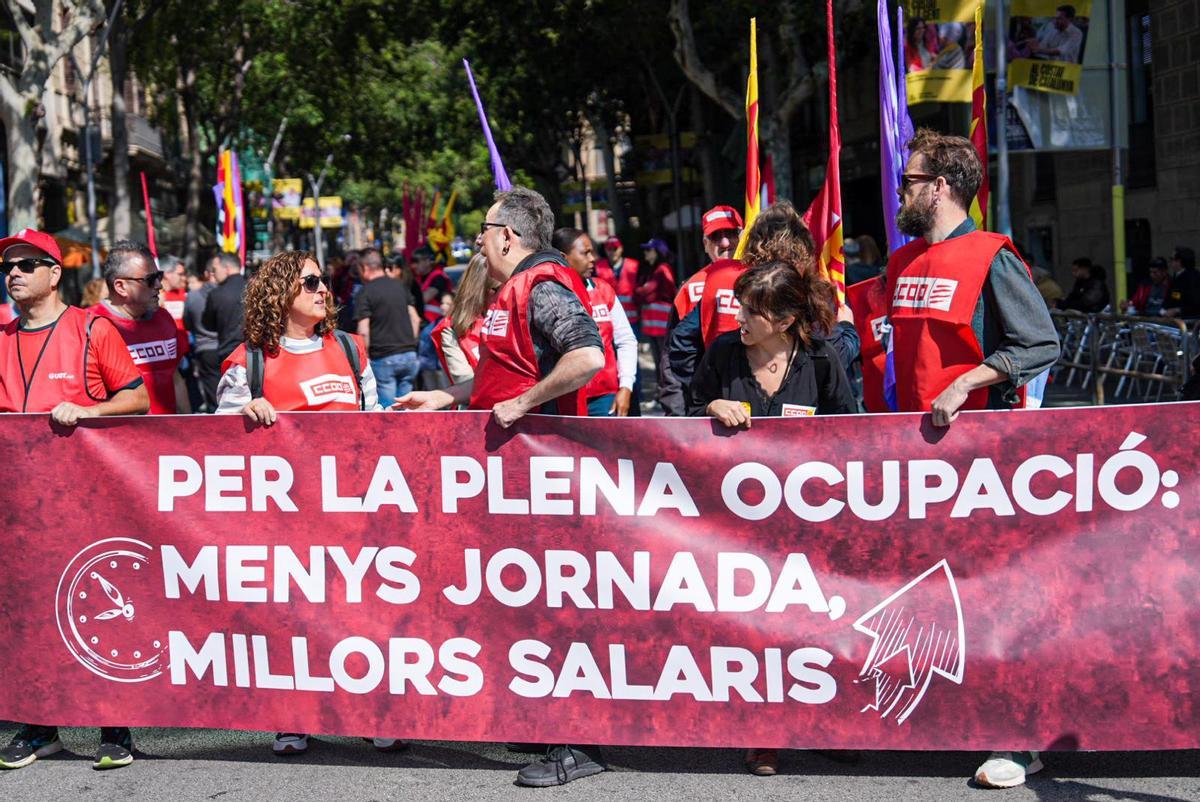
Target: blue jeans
394, 376
601, 406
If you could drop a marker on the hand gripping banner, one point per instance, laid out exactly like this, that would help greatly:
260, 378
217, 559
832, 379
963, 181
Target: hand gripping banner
1022, 580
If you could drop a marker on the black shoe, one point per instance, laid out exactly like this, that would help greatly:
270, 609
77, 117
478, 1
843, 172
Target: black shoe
561, 765
116, 748
30, 743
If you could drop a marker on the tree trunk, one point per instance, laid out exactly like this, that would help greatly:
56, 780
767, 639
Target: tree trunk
120, 213
778, 136
610, 172
195, 182
24, 194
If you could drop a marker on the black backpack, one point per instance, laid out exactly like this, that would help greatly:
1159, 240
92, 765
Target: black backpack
255, 366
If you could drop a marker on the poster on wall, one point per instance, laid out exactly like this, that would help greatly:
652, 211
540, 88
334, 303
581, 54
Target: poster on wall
939, 50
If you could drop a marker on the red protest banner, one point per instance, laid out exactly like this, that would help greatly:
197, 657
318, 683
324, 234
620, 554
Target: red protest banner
1022, 580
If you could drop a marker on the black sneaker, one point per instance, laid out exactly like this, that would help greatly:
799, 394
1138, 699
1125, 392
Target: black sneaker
561, 765
116, 748
30, 743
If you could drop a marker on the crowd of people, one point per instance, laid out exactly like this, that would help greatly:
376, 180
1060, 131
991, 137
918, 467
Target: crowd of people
541, 323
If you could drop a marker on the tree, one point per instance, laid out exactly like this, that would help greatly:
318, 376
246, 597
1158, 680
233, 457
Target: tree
21, 93
780, 53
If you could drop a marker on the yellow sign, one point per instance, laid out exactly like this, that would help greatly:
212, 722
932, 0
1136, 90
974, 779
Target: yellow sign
1046, 76
938, 86
1047, 8
287, 193
331, 212
940, 10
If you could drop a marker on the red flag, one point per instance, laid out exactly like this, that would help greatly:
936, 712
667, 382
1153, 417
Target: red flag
979, 206
824, 216
149, 217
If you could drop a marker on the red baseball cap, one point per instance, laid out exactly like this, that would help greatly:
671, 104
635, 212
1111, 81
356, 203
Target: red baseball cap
720, 218
613, 242
38, 239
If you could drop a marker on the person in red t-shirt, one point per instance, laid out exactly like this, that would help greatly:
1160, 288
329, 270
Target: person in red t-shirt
155, 343
174, 287
60, 359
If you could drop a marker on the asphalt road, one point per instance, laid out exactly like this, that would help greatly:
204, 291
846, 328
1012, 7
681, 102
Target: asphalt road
181, 765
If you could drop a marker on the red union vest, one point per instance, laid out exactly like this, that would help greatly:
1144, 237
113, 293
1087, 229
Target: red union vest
469, 342
154, 347
718, 305
173, 301
602, 297
868, 299
932, 292
60, 375
508, 364
318, 381
431, 309
624, 281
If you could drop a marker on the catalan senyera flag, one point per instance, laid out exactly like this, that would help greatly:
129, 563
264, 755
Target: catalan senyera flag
442, 234
824, 216
979, 206
231, 213
753, 178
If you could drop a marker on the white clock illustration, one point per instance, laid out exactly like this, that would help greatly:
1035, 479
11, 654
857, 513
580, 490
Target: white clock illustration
97, 610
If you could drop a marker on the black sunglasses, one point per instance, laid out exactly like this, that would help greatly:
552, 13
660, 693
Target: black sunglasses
152, 279
485, 225
312, 282
908, 179
25, 265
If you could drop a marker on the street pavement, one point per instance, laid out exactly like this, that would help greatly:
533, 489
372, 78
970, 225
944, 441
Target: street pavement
192, 764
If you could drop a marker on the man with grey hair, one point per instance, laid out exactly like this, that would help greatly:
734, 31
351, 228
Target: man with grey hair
154, 341
223, 311
174, 292
540, 346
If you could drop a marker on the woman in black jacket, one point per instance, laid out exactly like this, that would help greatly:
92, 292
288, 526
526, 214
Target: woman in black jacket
776, 364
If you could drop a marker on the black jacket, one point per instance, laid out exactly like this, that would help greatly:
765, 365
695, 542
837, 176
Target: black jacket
816, 379
223, 313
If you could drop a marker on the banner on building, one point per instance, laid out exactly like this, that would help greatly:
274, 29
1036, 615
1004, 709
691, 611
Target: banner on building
1046, 42
287, 194
814, 582
939, 51
329, 210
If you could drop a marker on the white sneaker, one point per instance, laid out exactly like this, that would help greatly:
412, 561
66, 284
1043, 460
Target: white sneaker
1007, 769
388, 744
290, 743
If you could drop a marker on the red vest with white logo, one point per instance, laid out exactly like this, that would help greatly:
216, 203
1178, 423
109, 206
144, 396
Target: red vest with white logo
655, 311
623, 282
693, 288
173, 301
61, 373
602, 297
154, 347
868, 299
932, 293
718, 305
469, 342
432, 308
317, 381
508, 364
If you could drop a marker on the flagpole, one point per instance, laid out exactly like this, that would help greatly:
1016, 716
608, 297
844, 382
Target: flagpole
1003, 222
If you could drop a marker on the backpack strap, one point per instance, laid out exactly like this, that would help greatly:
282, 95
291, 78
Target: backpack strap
255, 368
350, 349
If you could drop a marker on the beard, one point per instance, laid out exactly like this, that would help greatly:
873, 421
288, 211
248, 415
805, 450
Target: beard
915, 221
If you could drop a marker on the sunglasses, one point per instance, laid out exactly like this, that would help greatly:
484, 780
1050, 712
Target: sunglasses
25, 265
312, 282
485, 225
152, 280
908, 179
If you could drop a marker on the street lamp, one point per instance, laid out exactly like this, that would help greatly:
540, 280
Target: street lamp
315, 183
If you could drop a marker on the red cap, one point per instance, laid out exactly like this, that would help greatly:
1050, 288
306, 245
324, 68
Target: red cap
38, 239
612, 242
720, 218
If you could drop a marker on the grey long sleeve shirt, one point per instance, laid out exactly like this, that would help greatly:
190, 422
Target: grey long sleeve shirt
1012, 325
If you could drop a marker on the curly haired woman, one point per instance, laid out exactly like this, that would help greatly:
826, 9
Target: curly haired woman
294, 358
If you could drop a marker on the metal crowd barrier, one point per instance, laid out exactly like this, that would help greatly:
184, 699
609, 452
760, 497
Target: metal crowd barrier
1151, 357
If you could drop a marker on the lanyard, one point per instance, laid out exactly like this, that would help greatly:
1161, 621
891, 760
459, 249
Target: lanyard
27, 381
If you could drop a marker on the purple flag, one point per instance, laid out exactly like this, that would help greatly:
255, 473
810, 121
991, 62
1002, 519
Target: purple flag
895, 127
498, 172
